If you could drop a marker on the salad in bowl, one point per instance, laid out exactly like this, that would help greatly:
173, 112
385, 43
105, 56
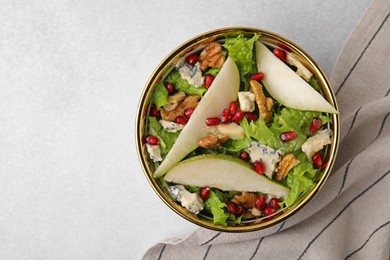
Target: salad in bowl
237, 129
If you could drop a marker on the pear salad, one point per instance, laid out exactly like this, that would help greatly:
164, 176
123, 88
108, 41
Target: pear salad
238, 130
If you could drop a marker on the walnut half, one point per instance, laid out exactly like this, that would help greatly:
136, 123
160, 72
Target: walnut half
288, 162
264, 103
211, 56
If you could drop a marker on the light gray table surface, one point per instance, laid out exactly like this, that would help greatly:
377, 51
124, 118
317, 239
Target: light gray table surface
71, 74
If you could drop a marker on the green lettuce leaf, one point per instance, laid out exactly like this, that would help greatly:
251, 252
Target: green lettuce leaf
241, 51
160, 95
183, 85
167, 139
288, 120
213, 71
214, 205
299, 179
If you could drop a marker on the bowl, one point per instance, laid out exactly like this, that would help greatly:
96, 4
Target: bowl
195, 45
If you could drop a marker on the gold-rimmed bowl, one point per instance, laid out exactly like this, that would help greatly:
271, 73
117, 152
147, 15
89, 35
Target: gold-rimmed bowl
194, 44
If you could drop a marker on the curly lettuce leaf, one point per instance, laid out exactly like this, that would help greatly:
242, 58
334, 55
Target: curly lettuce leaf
299, 179
240, 49
183, 85
213, 71
160, 95
288, 120
214, 205
167, 139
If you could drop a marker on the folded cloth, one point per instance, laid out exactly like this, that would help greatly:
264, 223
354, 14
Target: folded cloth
350, 216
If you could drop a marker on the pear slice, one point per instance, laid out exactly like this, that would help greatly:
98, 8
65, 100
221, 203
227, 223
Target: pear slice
286, 86
222, 91
223, 172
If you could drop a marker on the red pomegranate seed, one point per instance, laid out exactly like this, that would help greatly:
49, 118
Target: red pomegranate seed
239, 210
269, 210
274, 203
150, 139
288, 136
260, 202
258, 167
316, 123
226, 112
251, 116
324, 164
257, 76
317, 160
238, 116
181, 120
213, 121
204, 193
188, 112
233, 107
244, 156
208, 80
232, 207
281, 54
226, 119
154, 111
192, 59
171, 88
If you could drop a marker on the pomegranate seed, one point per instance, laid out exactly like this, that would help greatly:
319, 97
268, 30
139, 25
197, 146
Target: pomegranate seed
281, 54
226, 112
257, 76
171, 88
208, 80
204, 193
288, 136
154, 111
244, 156
181, 120
150, 139
316, 123
233, 107
226, 119
232, 207
238, 116
239, 210
213, 121
260, 202
269, 210
251, 116
317, 160
192, 59
274, 203
258, 167
188, 112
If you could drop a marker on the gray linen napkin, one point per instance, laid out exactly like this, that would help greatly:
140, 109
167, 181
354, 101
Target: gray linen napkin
350, 217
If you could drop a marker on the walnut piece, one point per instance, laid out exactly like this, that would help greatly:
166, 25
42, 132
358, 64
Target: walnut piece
210, 141
188, 102
288, 162
174, 100
264, 103
246, 199
212, 56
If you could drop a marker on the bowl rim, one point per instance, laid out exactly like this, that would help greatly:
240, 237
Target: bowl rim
186, 48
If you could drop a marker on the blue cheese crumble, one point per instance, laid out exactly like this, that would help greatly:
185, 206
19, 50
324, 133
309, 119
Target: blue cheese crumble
316, 142
188, 200
192, 74
154, 152
171, 127
267, 155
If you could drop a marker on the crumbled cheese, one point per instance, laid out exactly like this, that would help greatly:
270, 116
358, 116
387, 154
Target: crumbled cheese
234, 131
154, 152
316, 142
247, 101
190, 201
192, 74
301, 70
171, 127
268, 156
